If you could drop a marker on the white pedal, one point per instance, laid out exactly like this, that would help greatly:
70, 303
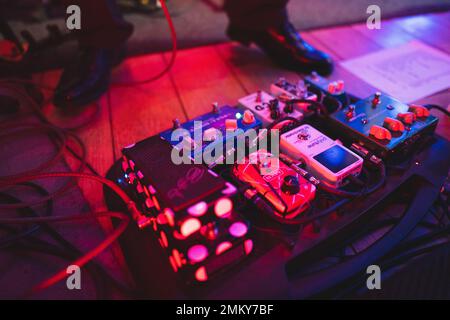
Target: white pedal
324, 157
259, 104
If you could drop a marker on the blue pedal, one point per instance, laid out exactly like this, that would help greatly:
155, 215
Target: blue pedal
216, 127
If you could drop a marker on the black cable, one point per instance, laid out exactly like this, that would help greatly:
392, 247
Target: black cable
439, 108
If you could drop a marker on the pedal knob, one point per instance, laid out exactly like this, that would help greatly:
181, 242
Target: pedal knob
215, 108
210, 134
248, 117
175, 124
376, 99
380, 133
419, 111
340, 86
350, 113
332, 87
258, 98
273, 104
290, 185
289, 107
394, 124
275, 114
407, 117
231, 124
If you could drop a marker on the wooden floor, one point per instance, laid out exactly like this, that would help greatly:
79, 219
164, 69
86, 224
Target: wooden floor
224, 73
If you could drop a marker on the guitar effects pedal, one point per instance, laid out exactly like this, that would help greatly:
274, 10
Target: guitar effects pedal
324, 157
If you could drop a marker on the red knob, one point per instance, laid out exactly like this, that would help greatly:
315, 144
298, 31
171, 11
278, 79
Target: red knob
394, 124
380, 133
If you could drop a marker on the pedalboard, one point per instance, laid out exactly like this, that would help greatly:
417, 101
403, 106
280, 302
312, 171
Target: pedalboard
384, 125
323, 156
188, 207
273, 217
268, 108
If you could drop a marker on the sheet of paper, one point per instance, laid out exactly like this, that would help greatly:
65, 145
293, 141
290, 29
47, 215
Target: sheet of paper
408, 72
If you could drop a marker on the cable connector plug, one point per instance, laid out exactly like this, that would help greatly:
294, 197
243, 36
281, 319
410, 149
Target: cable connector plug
141, 220
365, 154
296, 165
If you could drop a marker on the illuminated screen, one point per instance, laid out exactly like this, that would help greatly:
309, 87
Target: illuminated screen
336, 158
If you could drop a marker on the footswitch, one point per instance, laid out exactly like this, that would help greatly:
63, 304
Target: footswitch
190, 209
269, 109
287, 191
326, 158
384, 125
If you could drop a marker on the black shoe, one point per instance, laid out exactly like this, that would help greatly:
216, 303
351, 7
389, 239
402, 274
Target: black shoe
285, 46
84, 81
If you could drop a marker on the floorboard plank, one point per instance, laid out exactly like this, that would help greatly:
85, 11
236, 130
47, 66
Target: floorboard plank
425, 28
138, 112
252, 67
201, 78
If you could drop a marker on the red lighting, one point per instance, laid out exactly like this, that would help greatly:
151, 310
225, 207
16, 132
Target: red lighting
197, 253
198, 209
190, 226
223, 207
201, 274
248, 246
238, 229
164, 241
222, 247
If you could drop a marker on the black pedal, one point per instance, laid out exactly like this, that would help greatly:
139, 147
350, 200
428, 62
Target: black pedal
190, 209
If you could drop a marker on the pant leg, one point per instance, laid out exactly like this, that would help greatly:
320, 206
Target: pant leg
102, 24
256, 14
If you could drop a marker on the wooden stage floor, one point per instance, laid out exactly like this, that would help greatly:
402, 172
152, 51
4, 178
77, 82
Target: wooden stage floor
223, 73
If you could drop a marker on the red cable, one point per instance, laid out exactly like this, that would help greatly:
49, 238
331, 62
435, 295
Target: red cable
98, 249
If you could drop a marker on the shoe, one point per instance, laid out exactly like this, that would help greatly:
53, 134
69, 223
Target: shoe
285, 47
86, 80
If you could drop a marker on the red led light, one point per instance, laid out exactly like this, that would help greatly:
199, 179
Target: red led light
197, 253
198, 209
201, 274
172, 263
248, 246
223, 207
222, 247
238, 229
190, 226
164, 241
177, 257
169, 216
131, 162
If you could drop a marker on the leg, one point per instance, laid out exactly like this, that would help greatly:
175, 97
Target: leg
102, 37
256, 14
266, 23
